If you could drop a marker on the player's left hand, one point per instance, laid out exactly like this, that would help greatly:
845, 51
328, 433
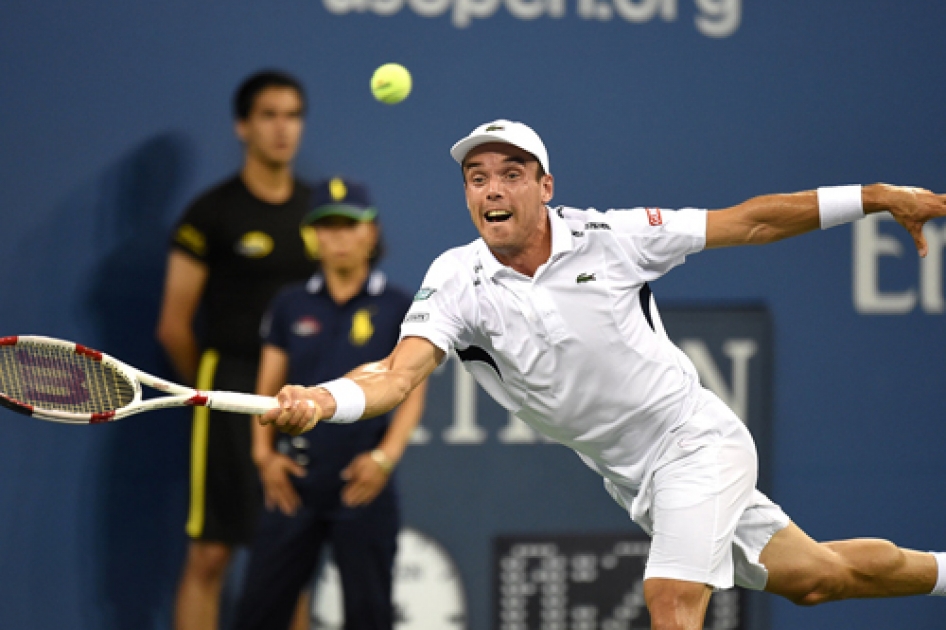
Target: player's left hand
366, 479
912, 208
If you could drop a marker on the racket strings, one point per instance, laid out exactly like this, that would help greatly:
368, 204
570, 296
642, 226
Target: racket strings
55, 378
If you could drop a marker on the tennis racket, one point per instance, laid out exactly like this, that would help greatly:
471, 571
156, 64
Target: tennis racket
63, 381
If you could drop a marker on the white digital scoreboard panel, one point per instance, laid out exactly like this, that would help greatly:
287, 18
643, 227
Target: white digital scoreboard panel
583, 582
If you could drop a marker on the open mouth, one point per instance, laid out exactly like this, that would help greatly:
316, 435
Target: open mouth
497, 216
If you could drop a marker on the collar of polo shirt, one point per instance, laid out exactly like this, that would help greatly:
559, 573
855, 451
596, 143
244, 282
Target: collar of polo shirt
374, 285
562, 243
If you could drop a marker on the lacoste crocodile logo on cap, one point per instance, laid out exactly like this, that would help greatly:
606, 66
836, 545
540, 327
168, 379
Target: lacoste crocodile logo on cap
495, 128
585, 277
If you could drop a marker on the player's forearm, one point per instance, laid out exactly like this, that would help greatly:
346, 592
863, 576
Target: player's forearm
383, 390
367, 391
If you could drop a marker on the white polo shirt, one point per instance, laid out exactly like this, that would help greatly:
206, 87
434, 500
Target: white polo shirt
578, 351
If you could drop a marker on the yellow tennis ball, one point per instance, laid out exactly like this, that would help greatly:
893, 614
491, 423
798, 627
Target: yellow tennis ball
391, 83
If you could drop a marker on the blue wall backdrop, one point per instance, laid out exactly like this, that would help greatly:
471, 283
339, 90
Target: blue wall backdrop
114, 114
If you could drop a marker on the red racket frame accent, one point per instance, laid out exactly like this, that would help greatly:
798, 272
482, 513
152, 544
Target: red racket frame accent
95, 355
99, 418
198, 400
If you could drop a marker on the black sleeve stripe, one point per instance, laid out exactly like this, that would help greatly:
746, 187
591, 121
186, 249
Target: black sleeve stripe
475, 353
645, 295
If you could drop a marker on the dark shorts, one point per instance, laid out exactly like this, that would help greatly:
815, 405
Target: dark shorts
225, 493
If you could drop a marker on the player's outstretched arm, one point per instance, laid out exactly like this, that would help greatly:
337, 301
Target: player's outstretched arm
367, 391
771, 218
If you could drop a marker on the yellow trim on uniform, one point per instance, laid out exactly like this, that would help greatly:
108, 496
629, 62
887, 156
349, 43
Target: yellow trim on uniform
205, 380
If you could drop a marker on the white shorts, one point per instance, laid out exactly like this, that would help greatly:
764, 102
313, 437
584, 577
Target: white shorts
699, 504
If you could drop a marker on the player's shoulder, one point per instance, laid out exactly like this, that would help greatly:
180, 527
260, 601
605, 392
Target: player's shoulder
462, 260
614, 221
589, 222
222, 190
208, 203
579, 219
452, 273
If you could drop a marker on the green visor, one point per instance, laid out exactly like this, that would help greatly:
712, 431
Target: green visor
358, 213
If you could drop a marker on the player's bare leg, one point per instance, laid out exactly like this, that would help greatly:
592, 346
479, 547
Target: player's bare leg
300, 619
198, 597
809, 573
676, 604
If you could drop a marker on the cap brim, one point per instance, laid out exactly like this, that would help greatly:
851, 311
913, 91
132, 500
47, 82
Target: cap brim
463, 147
340, 210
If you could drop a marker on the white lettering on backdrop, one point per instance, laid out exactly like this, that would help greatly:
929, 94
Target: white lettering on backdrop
714, 18
872, 246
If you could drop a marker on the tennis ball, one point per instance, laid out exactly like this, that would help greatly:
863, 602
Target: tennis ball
391, 83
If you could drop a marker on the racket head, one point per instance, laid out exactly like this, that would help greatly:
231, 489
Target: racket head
62, 381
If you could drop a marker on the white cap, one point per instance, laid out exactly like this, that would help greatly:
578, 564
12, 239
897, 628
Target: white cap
514, 133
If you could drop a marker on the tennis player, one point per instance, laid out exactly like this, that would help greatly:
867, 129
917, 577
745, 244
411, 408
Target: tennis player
551, 312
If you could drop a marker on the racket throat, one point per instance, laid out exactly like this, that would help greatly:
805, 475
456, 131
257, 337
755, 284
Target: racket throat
198, 400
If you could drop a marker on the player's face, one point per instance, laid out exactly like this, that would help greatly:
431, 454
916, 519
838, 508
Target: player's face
273, 129
506, 197
345, 245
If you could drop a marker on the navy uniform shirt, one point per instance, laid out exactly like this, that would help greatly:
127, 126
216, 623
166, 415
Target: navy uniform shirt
325, 341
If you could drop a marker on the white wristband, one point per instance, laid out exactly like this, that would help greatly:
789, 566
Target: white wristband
349, 400
839, 204
940, 588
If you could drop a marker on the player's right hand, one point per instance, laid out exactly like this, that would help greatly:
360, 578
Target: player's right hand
278, 490
297, 411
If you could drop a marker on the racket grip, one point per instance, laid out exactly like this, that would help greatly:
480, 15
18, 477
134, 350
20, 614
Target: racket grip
240, 403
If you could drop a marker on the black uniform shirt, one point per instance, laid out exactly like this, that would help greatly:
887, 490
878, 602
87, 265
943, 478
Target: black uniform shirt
251, 249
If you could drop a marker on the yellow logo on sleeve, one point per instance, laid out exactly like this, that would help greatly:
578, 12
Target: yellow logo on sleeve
255, 245
193, 239
361, 327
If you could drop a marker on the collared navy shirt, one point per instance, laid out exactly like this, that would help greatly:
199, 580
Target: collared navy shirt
324, 341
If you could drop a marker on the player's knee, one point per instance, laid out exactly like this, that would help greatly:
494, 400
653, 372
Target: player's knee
673, 608
666, 617
208, 562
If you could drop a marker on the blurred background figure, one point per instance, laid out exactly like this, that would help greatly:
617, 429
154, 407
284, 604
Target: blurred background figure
333, 485
235, 246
